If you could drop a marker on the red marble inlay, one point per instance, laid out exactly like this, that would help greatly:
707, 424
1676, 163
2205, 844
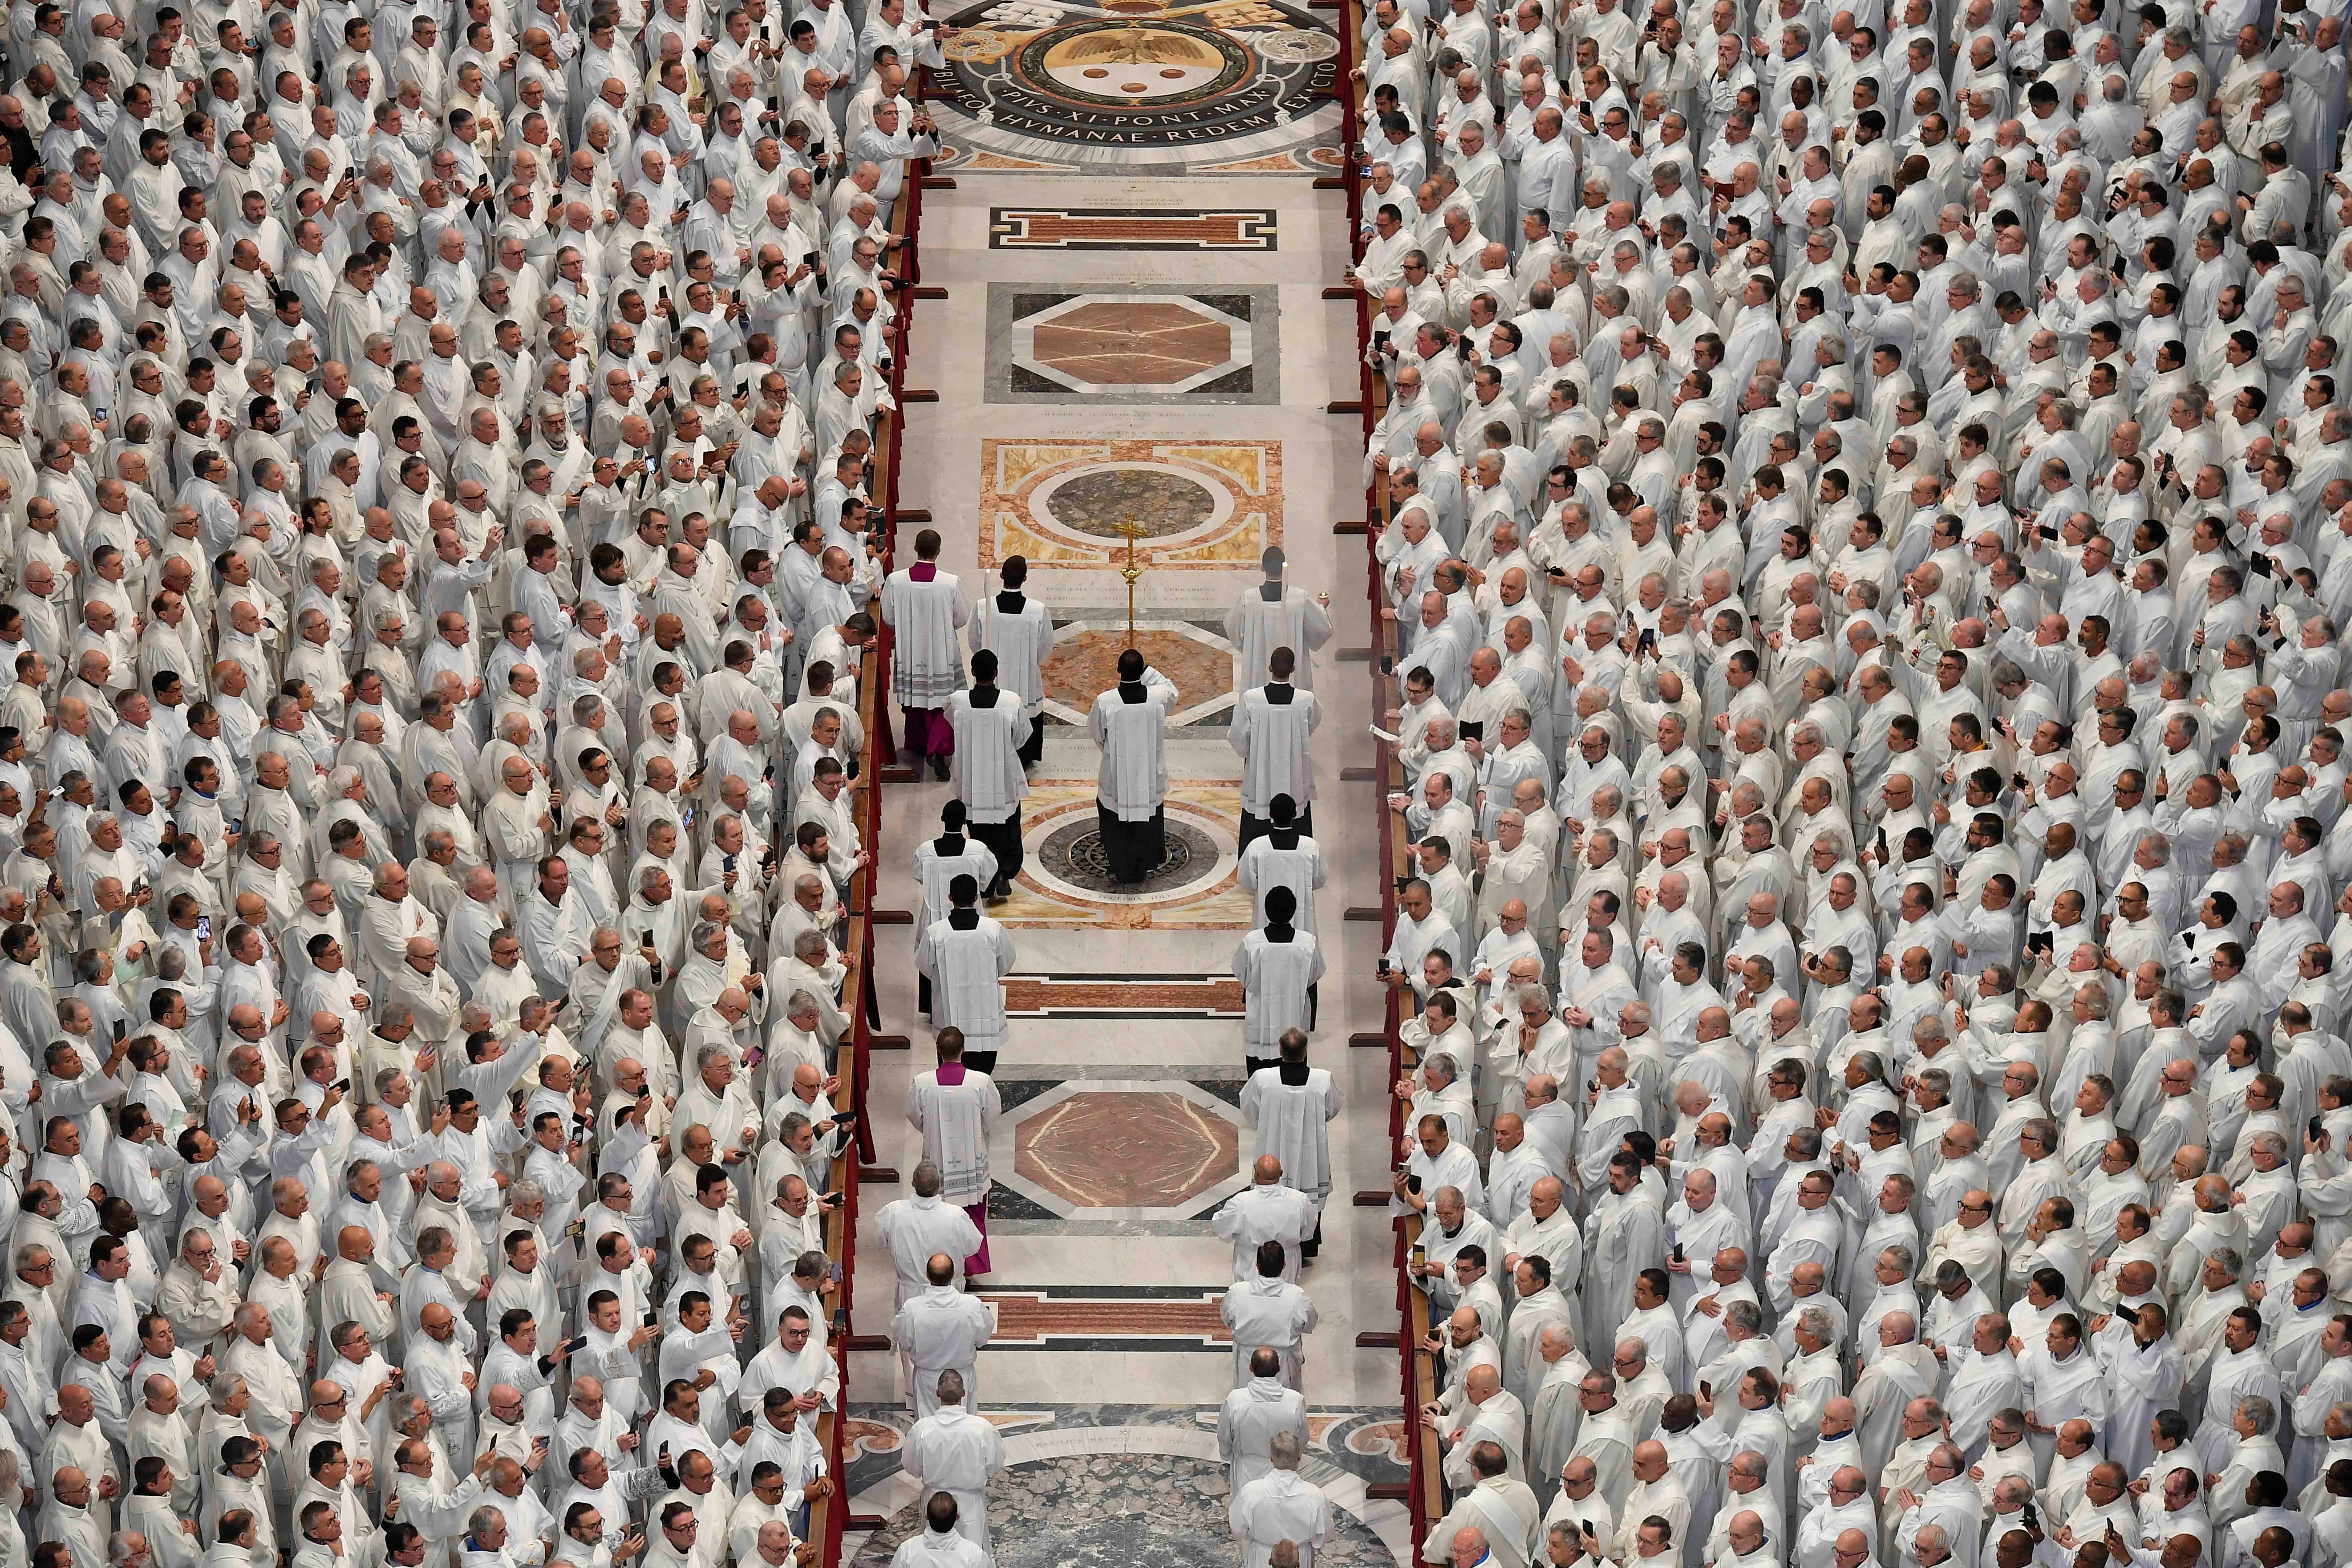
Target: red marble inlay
1085, 665
1041, 995
1123, 1149
1132, 343
1039, 1317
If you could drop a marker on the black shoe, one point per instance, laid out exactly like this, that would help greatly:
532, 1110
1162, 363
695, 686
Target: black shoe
938, 767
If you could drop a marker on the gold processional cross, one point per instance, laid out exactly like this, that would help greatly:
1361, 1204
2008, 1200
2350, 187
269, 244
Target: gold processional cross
1131, 531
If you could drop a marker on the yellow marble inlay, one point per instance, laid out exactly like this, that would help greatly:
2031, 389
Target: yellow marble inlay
1246, 464
1249, 473
1017, 462
1133, 45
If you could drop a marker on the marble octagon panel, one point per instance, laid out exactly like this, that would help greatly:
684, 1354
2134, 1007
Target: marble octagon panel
1136, 342
1119, 1149
1139, 346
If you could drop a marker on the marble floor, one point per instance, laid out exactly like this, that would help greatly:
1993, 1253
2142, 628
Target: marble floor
1116, 1485
1115, 343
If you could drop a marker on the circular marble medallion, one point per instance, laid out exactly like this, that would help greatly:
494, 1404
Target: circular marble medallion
1100, 502
1116, 1510
1072, 854
1301, 45
1112, 82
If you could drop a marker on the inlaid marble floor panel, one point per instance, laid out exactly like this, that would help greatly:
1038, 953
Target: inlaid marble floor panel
1128, 1484
1115, 995
1080, 387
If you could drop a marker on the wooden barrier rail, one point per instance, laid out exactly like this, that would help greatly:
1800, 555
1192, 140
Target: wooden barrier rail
1424, 1492
829, 1516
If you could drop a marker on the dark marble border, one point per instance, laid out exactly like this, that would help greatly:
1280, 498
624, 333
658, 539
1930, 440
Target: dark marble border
1260, 223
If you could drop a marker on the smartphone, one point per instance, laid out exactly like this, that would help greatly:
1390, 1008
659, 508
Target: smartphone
574, 1345
2260, 565
343, 1085
752, 1057
1384, 969
120, 1026
2316, 1122
1412, 1186
1649, 638
1472, 729
1678, 1252
653, 1316
1388, 664
2047, 532
727, 862
203, 928
237, 825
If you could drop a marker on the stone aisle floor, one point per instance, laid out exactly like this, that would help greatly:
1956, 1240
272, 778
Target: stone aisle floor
1186, 386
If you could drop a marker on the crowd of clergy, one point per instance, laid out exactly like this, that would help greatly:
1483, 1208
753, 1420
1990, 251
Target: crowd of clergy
436, 449
1864, 501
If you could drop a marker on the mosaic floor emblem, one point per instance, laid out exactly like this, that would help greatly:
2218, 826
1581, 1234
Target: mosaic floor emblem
1203, 505
1076, 854
1131, 346
1202, 893
1132, 228
1135, 86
